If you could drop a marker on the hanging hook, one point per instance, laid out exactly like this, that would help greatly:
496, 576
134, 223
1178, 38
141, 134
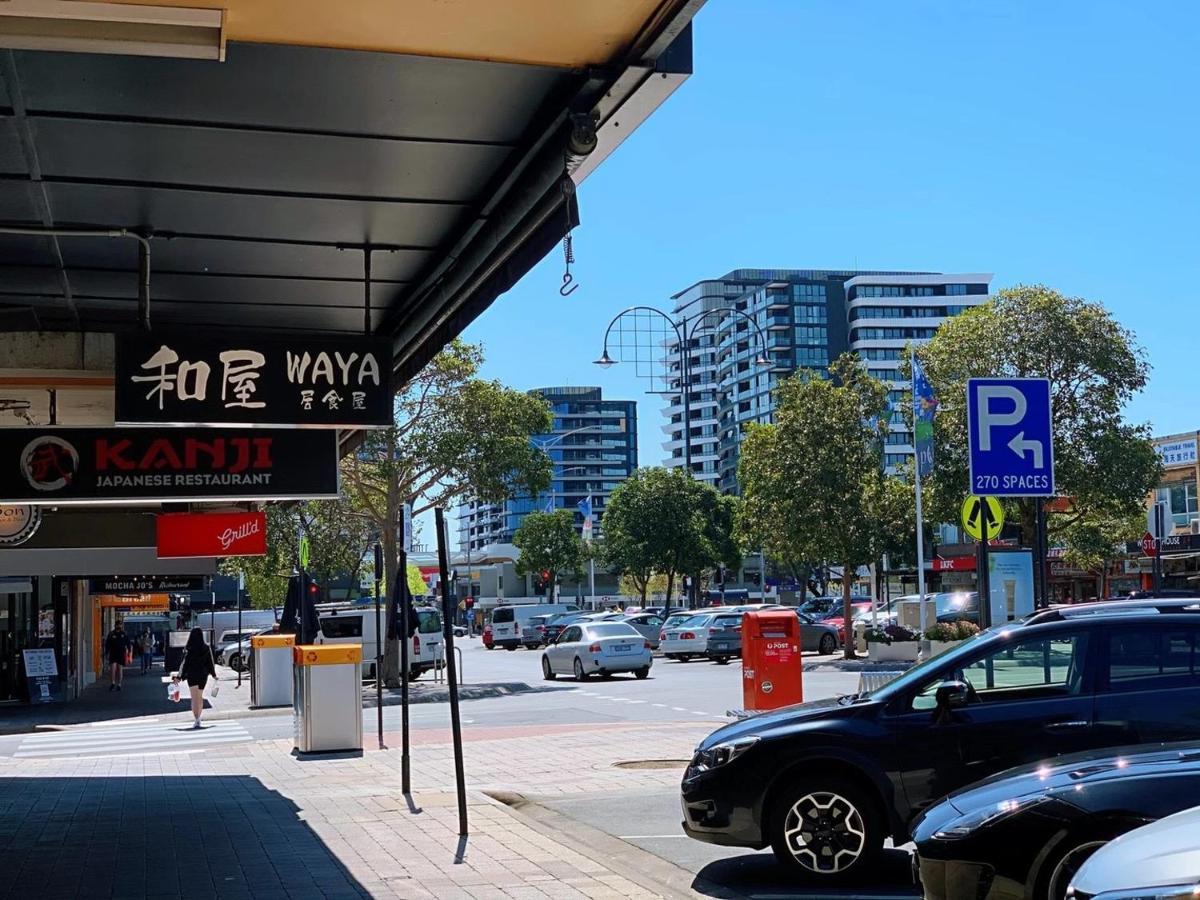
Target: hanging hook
569, 285
568, 288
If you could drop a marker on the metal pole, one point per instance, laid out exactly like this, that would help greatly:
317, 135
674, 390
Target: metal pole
1039, 531
984, 584
685, 374
762, 574
921, 550
379, 639
1160, 527
592, 581
239, 631
451, 671
405, 608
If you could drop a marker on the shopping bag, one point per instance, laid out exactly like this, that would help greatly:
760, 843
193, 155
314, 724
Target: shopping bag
174, 693
211, 690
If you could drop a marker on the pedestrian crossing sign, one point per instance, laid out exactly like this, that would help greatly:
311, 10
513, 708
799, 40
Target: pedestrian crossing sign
972, 513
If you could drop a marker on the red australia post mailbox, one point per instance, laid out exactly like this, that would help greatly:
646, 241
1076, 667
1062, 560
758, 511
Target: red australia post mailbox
771, 673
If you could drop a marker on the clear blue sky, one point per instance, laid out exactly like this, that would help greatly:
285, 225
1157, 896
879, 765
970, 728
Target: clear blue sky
1052, 142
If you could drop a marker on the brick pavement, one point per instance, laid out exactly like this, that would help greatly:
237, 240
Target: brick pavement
254, 821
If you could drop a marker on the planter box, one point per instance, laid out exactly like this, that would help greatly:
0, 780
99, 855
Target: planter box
939, 647
901, 651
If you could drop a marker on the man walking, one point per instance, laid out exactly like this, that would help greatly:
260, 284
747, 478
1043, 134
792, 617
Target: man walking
146, 645
116, 647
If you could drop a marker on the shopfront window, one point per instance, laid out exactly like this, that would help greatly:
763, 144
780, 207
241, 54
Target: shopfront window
1181, 500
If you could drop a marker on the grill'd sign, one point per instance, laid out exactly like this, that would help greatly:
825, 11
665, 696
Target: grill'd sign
60, 466
301, 383
182, 535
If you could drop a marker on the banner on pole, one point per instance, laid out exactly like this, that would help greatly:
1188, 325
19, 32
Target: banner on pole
924, 407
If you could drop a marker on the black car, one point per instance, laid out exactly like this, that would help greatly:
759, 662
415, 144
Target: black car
1024, 834
824, 783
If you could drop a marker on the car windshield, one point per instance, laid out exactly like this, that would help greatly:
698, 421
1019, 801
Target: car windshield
429, 621
919, 674
727, 622
611, 629
695, 621
676, 620
536, 621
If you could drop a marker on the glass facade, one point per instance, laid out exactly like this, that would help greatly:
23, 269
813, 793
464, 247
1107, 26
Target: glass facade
592, 448
805, 317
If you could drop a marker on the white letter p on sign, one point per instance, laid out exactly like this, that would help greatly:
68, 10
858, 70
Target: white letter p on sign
989, 419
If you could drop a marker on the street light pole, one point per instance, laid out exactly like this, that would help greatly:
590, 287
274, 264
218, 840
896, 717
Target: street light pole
685, 330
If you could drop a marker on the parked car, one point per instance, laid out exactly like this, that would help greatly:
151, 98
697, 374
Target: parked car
838, 621
233, 647
864, 766
647, 625
675, 618
533, 632
957, 606
816, 635
1159, 861
597, 648
687, 639
460, 631
1025, 833
509, 621
724, 638
664, 612
556, 624
356, 625
827, 605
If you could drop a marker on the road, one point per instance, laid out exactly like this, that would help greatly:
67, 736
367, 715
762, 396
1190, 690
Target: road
695, 692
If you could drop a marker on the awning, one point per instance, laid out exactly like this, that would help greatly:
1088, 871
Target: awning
99, 561
440, 141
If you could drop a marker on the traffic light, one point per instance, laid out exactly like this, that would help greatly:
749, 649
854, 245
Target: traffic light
719, 577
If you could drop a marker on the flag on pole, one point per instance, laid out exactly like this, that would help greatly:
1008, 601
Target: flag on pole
549, 505
925, 405
585, 507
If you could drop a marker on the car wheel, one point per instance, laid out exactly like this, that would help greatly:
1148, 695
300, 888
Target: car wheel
826, 830
684, 657
828, 645
511, 647
722, 660
414, 674
547, 672
1062, 864
670, 656
643, 672
235, 662
580, 674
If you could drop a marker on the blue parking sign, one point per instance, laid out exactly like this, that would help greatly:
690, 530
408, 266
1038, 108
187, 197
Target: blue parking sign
1010, 436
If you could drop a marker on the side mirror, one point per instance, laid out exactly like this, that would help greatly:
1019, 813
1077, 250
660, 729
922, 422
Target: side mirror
953, 694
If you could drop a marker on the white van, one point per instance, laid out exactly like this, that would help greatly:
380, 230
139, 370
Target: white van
507, 621
357, 626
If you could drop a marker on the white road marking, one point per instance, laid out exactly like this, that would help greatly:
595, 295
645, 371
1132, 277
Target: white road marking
648, 837
659, 705
678, 709
130, 740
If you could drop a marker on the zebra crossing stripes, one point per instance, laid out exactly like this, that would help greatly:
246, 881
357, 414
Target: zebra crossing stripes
131, 740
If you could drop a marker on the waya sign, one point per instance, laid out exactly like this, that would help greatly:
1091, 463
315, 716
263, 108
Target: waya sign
168, 379
61, 466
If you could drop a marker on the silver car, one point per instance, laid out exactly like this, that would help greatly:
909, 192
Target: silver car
647, 625
687, 639
597, 648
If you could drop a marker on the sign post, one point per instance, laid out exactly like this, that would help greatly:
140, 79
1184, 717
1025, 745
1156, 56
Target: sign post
379, 639
1010, 436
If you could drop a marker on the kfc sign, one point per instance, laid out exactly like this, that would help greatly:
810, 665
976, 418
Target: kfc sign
61, 466
211, 534
302, 382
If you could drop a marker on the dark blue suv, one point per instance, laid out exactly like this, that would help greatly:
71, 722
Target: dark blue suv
825, 783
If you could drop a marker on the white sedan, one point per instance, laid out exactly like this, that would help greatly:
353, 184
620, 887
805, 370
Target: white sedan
687, 638
597, 648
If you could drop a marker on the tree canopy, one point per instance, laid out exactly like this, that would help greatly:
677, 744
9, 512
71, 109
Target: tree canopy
663, 520
1103, 463
549, 543
812, 482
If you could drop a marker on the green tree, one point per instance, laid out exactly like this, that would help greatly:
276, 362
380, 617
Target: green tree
1102, 462
632, 585
416, 584
1094, 543
662, 520
549, 543
338, 540
812, 483
455, 435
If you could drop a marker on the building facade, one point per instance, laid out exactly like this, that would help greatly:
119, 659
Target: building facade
808, 317
592, 447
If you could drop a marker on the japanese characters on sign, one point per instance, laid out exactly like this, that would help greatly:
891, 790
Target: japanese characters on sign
61, 466
307, 382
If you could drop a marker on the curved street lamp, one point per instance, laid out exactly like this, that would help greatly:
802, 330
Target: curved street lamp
684, 331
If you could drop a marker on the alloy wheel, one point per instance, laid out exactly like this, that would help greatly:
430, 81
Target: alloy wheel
825, 833
580, 674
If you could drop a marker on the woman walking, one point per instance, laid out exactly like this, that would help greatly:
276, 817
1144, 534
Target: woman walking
197, 667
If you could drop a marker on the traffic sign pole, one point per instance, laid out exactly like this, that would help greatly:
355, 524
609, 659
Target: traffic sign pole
981, 574
1039, 537
1160, 526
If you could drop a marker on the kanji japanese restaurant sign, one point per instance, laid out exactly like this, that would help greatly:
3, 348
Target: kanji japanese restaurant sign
304, 382
211, 534
61, 466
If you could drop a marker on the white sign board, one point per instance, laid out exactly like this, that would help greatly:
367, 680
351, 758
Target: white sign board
1177, 453
40, 663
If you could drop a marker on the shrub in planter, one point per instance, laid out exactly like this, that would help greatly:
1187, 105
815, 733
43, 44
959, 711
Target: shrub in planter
965, 629
894, 644
943, 632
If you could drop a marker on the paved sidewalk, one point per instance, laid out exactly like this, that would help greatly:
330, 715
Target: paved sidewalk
257, 822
